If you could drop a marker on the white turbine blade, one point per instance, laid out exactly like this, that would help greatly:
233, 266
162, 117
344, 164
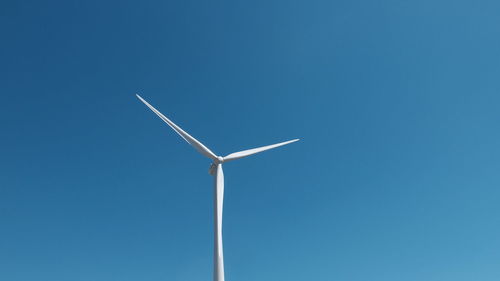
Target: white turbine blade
192, 141
218, 205
245, 153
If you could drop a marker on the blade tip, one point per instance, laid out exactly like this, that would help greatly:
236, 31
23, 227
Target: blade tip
142, 100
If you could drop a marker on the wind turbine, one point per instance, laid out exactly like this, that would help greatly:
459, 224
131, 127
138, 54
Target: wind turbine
216, 171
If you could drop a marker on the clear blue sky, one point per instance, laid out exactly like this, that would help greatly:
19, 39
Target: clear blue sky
396, 176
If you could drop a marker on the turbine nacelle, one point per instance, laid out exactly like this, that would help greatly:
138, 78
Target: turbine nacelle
213, 167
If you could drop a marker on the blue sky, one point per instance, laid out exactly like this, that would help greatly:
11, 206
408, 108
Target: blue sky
395, 178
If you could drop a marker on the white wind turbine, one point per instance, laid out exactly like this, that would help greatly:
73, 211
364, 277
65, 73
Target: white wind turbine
215, 170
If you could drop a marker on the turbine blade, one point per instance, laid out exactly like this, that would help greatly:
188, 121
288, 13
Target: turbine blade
248, 152
218, 206
188, 138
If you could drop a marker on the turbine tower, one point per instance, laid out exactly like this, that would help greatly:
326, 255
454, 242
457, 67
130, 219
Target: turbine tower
216, 171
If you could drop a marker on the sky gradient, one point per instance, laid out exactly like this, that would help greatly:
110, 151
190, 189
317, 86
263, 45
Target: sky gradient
395, 177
